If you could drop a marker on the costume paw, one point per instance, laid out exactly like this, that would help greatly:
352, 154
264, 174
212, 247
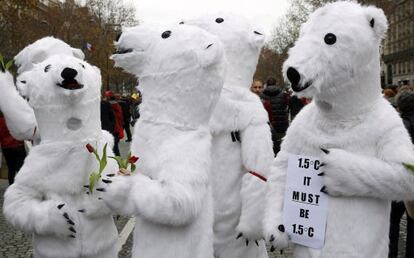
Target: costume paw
248, 234
93, 207
336, 171
277, 238
248, 240
61, 223
113, 190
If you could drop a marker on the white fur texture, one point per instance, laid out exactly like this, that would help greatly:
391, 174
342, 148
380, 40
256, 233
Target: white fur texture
366, 139
238, 197
55, 171
181, 77
40, 50
19, 116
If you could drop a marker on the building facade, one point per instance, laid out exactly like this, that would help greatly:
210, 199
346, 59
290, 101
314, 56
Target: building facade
398, 49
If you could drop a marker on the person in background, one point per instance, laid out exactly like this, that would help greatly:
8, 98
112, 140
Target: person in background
136, 100
107, 116
389, 94
279, 101
257, 87
295, 105
13, 150
405, 105
126, 112
118, 132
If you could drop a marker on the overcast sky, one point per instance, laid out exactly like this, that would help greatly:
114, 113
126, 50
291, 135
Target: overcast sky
264, 12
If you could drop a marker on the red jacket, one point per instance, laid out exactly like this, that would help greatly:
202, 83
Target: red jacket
119, 119
6, 140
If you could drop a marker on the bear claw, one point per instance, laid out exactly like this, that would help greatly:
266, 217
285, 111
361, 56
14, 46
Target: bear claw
281, 228
60, 206
257, 243
323, 190
247, 242
325, 150
272, 249
72, 229
239, 235
272, 238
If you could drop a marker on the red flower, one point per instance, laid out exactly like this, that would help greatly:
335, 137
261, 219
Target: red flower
90, 148
133, 159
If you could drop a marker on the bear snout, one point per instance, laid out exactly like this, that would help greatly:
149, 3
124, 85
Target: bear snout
294, 77
69, 82
69, 74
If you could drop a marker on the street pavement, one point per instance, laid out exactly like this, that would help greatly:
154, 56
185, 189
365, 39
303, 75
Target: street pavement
15, 244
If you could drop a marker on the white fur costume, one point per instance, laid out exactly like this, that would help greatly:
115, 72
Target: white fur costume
238, 197
364, 135
19, 115
181, 75
55, 171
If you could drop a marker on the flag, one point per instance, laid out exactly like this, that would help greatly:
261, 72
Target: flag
89, 47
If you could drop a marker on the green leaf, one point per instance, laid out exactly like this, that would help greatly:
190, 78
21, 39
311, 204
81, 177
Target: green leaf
118, 160
93, 179
103, 161
133, 167
2, 60
409, 166
9, 64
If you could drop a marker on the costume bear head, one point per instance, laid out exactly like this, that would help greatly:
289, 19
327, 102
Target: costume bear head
180, 69
65, 95
336, 58
242, 43
37, 52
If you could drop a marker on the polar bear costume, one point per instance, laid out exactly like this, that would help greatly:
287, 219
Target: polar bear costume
336, 61
241, 142
48, 197
19, 115
181, 72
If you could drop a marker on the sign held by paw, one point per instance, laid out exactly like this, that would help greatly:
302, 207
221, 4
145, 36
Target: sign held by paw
305, 208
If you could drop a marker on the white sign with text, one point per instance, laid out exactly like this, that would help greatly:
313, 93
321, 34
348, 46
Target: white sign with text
305, 207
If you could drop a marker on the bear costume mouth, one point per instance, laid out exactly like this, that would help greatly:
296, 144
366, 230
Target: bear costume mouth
298, 87
70, 85
123, 51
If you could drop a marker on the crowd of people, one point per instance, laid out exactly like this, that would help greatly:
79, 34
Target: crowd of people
402, 98
281, 106
207, 170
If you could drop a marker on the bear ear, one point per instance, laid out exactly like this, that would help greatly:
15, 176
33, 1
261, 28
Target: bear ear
377, 21
78, 53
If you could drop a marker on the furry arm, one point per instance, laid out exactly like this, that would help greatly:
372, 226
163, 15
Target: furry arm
19, 116
273, 215
257, 156
350, 174
169, 201
24, 208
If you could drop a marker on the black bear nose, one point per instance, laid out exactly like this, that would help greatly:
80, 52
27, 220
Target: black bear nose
118, 36
293, 76
69, 73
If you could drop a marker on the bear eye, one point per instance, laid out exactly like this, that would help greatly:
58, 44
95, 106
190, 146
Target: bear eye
82, 65
24, 82
181, 22
47, 68
330, 39
166, 34
219, 20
